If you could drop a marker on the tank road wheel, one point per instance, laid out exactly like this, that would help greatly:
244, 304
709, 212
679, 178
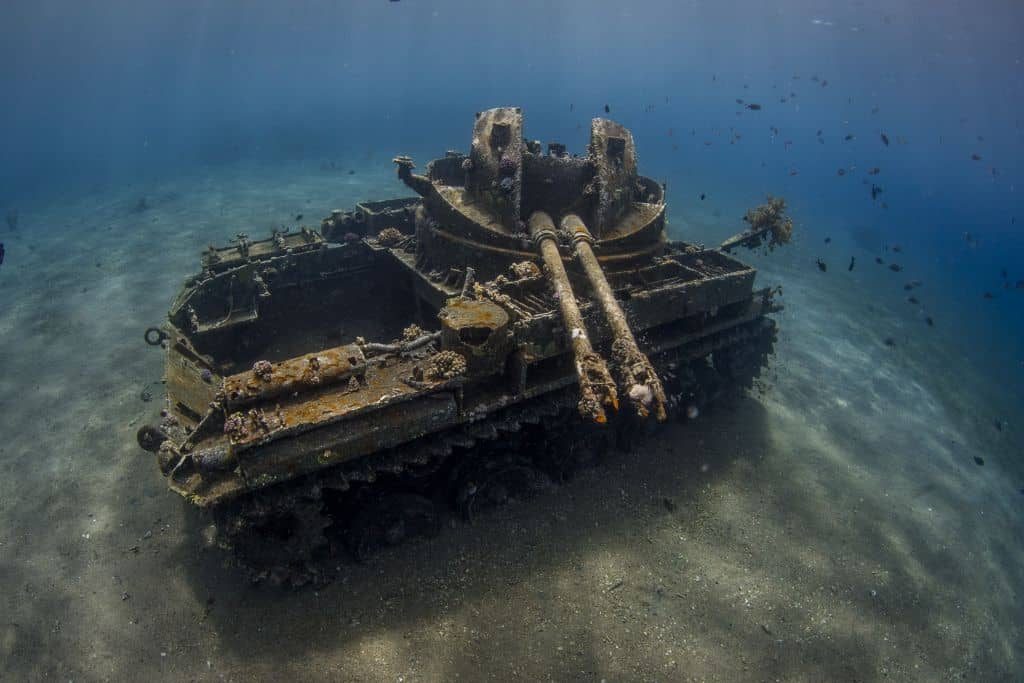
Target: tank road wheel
488, 483
276, 537
742, 363
391, 520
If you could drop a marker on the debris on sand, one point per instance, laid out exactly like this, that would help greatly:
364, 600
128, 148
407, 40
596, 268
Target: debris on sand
141, 205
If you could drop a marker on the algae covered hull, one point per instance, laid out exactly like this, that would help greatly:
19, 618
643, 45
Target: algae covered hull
396, 340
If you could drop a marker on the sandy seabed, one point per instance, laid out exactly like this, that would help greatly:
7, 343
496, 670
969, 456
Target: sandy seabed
833, 527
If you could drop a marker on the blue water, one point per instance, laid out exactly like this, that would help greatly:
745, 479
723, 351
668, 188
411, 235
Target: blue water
96, 94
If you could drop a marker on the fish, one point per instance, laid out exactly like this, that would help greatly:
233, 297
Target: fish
979, 461
875, 191
897, 248
818, 133
754, 107
702, 196
987, 295
607, 109
874, 171
351, 171
298, 216
890, 342
885, 139
739, 101
998, 424
976, 157
827, 240
913, 300
572, 106
879, 261
931, 323
841, 172
1, 253
848, 136
1019, 285
853, 259
794, 172
822, 266
895, 267
1002, 271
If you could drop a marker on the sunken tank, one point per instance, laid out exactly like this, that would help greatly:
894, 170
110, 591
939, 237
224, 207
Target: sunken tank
331, 390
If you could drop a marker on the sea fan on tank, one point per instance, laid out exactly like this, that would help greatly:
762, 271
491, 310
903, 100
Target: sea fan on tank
769, 225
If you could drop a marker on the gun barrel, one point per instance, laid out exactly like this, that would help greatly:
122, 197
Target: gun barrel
597, 388
641, 381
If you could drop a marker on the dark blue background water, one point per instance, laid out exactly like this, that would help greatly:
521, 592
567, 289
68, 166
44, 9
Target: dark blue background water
101, 93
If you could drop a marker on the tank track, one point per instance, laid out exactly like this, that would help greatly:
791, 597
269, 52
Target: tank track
300, 533
282, 534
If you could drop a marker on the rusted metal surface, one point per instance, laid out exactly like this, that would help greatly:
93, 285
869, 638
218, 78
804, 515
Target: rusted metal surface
405, 331
639, 378
597, 389
268, 380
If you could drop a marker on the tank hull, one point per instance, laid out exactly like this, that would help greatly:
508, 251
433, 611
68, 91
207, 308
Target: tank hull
334, 387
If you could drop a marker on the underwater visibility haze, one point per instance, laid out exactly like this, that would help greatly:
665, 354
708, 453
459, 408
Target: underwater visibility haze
836, 491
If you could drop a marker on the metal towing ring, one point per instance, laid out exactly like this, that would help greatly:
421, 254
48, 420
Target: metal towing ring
159, 337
